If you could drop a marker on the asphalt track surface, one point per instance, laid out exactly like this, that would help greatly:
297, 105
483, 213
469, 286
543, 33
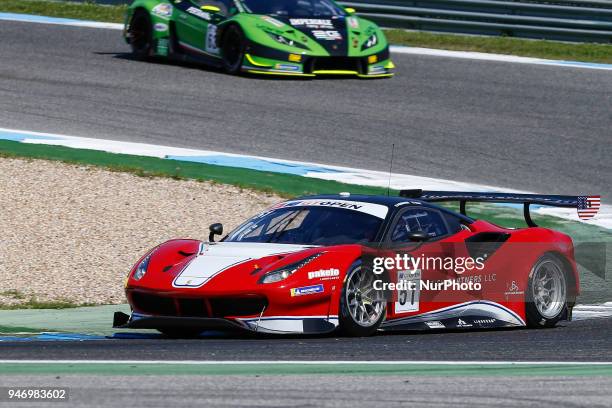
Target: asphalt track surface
545, 129
321, 391
585, 340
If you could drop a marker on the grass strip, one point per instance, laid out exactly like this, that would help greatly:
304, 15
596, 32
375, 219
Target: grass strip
4, 330
585, 52
443, 370
82, 11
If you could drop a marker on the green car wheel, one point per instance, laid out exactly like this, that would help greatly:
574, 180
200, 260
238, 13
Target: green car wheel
141, 38
233, 49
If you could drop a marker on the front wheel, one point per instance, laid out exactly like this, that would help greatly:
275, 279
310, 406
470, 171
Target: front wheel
546, 297
362, 308
233, 46
141, 35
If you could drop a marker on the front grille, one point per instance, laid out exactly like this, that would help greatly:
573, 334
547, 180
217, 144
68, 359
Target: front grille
156, 305
197, 307
193, 307
336, 64
237, 307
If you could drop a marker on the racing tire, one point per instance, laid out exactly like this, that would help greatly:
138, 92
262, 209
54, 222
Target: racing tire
181, 333
362, 308
546, 292
141, 35
233, 47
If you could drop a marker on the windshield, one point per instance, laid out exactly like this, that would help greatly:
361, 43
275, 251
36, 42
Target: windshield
293, 8
308, 225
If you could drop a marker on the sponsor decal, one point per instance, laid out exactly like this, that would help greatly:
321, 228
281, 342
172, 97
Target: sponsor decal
512, 288
462, 323
306, 290
332, 273
484, 321
162, 10
199, 13
272, 21
311, 22
353, 22
435, 325
162, 46
327, 35
376, 210
287, 67
376, 68
160, 27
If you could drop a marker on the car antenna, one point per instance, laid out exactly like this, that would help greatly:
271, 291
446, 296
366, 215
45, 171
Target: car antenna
390, 168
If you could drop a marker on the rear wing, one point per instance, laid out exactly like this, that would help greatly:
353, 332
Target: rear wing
587, 206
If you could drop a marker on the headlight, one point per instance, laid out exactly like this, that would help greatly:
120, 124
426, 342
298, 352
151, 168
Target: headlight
372, 41
286, 41
284, 272
142, 268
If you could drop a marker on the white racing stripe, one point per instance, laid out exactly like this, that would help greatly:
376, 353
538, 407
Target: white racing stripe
482, 56
217, 257
28, 18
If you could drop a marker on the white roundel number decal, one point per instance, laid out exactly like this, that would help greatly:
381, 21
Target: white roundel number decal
408, 299
211, 39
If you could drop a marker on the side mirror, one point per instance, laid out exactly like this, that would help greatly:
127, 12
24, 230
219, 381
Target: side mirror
215, 229
350, 10
418, 236
212, 9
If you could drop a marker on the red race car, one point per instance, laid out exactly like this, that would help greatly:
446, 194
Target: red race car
359, 264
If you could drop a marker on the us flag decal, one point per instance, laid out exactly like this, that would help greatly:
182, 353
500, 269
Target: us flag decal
588, 206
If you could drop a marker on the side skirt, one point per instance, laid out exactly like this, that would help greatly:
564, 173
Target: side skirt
479, 314
184, 53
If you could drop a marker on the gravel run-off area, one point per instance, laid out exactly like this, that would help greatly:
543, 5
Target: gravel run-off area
72, 232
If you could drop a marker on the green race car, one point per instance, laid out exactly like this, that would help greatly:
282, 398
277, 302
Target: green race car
274, 37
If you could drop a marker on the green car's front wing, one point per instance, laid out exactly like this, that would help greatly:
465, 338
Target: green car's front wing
261, 60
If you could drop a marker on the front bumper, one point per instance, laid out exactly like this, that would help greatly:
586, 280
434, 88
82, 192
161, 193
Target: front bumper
268, 62
135, 321
239, 311
268, 324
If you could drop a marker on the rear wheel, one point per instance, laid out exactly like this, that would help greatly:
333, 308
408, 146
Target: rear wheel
141, 35
233, 47
546, 297
362, 308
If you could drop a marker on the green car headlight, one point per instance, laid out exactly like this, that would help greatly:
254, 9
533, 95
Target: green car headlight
371, 41
287, 41
284, 272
